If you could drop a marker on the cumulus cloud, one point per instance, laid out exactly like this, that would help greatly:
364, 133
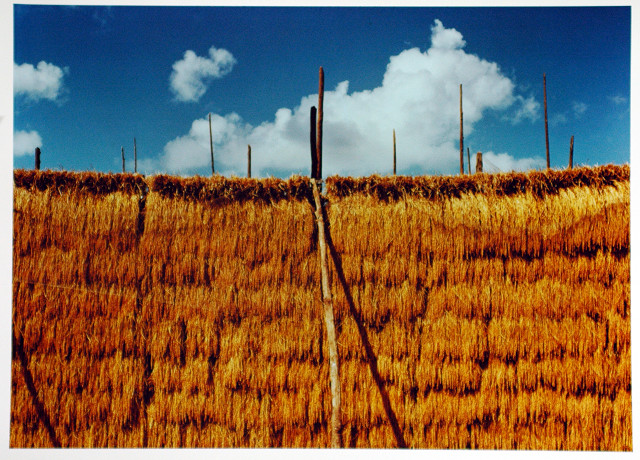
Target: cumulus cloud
25, 143
503, 162
418, 97
190, 75
618, 100
41, 82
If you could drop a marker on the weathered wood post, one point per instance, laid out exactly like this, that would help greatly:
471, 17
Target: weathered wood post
122, 151
546, 123
469, 160
249, 161
571, 153
312, 141
327, 302
213, 170
394, 152
461, 136
319, 123
135, 157
479, 162
37, 159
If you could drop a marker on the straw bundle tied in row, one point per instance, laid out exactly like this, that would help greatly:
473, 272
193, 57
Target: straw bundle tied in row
477, 320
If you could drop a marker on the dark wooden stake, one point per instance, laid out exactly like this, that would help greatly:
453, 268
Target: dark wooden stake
122, 150
37, 158
571, 153
546, 124
394, 152
135, 157
469, 160
213, 170
319, 121
461, 136
479, 162
248, 161
312, 141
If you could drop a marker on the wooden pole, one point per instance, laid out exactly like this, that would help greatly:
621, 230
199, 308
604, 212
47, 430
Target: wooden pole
461, 136
248, 161
213, 170
394, 152
546, 124
469, 160
479, 162
327, 302
571, 153
37, 159
312, 141
135, 157
319, 129
122, 150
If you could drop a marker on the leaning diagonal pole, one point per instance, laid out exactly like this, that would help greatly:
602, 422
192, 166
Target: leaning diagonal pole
327, 302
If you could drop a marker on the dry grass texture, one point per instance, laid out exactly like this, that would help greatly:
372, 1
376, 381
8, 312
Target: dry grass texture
193, 318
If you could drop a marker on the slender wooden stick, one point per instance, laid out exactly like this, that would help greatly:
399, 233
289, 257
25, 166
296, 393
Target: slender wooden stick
248, 161
135, 157
319, 130
327, 302
546, 124
37, 165
122, 150
394, 152
213, 170
469, 160
461, 136
571, 154
479, 162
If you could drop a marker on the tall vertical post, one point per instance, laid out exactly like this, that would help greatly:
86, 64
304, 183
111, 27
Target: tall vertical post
469, 160
122, 151
479, 162
546, 123
135, 157
249, 161
394, 152
461, 136
319, 121
37, 159
312, 141
571, 153
213, 170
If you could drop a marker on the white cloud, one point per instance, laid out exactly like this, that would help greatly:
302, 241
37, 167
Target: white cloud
618, 100
418, 97
190, 75
528, 108
558, 119
25, 143
578, 108
41, 82
503, 162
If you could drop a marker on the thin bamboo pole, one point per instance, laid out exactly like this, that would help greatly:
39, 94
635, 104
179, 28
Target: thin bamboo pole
571, 153
546, 123
394, 152
213, 170
461, 136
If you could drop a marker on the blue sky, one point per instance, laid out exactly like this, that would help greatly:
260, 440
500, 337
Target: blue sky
93, 78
